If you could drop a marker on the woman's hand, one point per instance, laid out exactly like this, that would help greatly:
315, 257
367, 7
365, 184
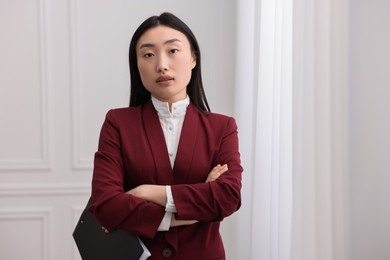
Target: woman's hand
157, 193
152, 193
176, 223
216, 172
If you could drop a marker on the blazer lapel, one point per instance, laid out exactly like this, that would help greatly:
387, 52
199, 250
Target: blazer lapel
159, 150
157, 144
186, 146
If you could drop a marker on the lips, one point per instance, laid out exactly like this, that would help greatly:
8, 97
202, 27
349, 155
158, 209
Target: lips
163, 79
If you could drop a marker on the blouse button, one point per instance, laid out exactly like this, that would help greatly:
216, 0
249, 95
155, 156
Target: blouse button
167, 252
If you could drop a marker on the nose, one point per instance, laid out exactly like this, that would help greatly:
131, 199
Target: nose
162, 64
161, 68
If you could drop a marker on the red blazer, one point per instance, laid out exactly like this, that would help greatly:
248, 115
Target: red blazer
132, 151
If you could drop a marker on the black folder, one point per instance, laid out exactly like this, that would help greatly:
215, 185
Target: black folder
94, 243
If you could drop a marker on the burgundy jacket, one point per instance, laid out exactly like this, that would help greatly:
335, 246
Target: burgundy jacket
132, 151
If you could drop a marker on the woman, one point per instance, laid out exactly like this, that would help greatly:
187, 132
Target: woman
167, 169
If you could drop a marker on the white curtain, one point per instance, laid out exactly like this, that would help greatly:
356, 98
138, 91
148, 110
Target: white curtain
291, 111
264, 114
320, 69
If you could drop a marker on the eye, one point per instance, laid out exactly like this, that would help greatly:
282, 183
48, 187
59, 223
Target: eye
173, 51
148, 55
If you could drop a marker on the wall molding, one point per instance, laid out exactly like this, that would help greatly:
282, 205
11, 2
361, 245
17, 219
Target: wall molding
78, 163
32, 213
43, 162
69, 189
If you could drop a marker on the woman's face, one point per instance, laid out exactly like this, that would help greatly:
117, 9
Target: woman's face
165, 62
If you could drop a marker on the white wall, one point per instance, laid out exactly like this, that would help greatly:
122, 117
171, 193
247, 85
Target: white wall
63, 64
369, 129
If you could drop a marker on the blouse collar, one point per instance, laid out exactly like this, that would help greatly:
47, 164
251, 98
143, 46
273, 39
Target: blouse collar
179, 108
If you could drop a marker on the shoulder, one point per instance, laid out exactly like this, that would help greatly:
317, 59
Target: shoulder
123, 112
120, 116
216, 120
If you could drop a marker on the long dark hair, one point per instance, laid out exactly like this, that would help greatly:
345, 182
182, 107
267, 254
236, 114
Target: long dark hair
138, 93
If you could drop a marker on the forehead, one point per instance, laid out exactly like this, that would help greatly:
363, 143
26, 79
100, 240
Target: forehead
160, 34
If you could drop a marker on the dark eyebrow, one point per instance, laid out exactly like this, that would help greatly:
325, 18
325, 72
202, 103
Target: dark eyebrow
150, 45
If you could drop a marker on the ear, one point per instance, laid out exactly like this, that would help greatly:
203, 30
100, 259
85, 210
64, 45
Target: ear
193, 60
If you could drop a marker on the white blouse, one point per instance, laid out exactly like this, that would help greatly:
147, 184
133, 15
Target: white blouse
171, 123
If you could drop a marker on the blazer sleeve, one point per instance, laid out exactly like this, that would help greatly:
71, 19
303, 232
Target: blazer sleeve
112, 207
215, 200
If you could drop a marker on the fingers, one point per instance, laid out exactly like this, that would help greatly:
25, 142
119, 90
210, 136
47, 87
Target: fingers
105, 230
176, 223
216, 172
219, 168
